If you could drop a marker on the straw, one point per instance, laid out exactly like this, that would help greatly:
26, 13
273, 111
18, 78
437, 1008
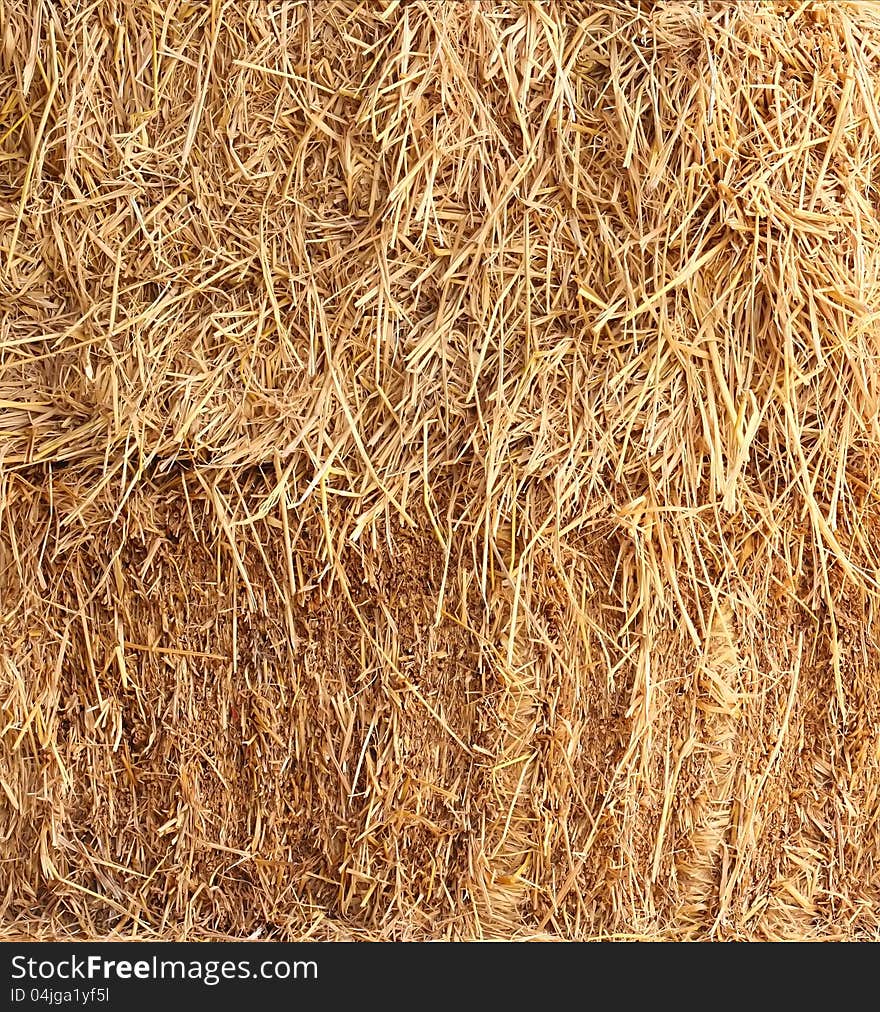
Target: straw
437, 470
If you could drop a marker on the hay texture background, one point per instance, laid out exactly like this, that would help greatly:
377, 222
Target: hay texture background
438, 470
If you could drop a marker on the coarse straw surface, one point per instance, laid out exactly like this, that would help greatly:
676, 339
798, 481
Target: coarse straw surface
439, 470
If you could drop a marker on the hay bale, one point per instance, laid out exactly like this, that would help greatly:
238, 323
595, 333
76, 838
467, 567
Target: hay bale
437, 470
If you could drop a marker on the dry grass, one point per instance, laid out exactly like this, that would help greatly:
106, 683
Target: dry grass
438, 470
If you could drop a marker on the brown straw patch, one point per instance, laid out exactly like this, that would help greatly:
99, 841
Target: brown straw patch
438, 453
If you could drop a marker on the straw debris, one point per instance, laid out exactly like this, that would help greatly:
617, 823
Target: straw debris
438, 454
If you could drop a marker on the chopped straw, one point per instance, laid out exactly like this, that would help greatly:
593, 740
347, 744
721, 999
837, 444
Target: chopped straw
439, 470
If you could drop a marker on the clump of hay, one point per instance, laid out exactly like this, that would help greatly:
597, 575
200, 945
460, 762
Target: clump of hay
438, 454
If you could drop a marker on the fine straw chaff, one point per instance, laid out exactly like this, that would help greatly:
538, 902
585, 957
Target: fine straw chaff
439, 469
